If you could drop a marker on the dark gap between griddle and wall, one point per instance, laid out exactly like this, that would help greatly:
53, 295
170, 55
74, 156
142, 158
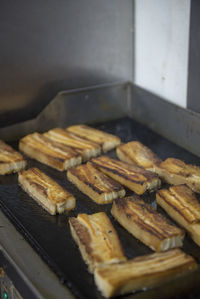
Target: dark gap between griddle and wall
50, 235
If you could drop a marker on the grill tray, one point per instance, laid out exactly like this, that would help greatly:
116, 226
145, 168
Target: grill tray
50, 235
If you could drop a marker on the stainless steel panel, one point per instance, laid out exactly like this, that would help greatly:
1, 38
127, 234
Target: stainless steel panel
84, 105
48, 46
181, 126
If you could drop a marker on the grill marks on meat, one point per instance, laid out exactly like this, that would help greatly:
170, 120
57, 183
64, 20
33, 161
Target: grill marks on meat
62, 149
136, 153
10, 160
182, 205
97, 239
46, 191
145, 271
49, 152
105, 140
146, 224
85, 148
95, 184
172, 171
135, 178
175, 172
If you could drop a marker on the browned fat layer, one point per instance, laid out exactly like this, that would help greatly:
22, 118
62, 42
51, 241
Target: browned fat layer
12, 160
140, 170
3, 162
126, 153
121, 204
60, 146
56, 145
99, 191
115, 185
87, 139
38, 187
47, 155
186, 264
19, 159
82, 233
36, 172
148, 174
81, 178
177, 162
127, 177
177, 198
80, 151
56, 158
6, 147
187, 261
147, 227
149, 155
151, 229
186, 175
174, 207
169, 254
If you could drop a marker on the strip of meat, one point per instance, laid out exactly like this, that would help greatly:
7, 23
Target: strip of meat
142, 272
182, 205
87, 149
95, 184
10, 160
54, 154
136, 153
105, 140
97, 239
135, 178
47, 193
175, 172
146, 224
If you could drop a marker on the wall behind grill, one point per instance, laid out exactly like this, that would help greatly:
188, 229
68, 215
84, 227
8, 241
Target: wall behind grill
161, 47
47, 46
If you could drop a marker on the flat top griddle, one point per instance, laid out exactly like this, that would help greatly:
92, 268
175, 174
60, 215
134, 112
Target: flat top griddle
50, 235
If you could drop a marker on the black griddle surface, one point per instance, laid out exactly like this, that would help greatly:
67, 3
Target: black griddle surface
50, 235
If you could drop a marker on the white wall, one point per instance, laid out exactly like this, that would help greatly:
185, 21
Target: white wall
161, 40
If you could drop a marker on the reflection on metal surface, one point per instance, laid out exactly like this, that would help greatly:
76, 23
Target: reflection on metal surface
83, 105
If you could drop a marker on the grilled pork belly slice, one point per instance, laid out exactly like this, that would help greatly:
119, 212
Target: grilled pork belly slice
135, 178
176, 172
146, 224
105, 140
142, 272
10, 160
51, 196
173, 171
97, 239
182, 205
49, 152
95, 184
87, 149
136, 153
